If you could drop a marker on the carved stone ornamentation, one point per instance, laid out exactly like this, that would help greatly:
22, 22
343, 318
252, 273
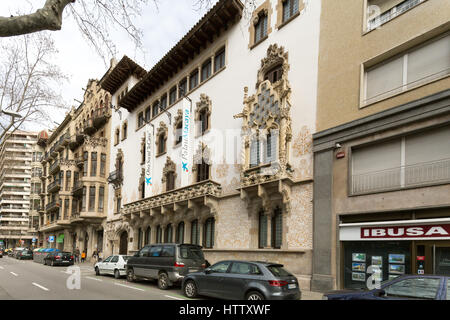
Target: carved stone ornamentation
266, 115
202, 155
170, 166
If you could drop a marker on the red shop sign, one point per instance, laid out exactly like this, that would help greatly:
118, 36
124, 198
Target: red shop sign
405, 232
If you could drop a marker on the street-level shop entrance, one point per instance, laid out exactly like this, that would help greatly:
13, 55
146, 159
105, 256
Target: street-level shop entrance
393, 248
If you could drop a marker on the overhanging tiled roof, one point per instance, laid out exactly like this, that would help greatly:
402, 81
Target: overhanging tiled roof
224, 14
111, 81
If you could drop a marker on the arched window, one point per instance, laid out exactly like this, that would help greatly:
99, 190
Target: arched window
170, 181
179, 133
195, 236
180, 233
155, 109
169, 234
124, 130
255, 152
290, 8
208, 241
139, 244
262, 234
147, 235
117, 136
203, 121
161, 144
261, 27
277, 229
274, 74
158, 234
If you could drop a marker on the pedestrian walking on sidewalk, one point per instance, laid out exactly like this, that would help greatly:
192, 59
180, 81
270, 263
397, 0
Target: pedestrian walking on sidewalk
95, 257
83, 256
77, 255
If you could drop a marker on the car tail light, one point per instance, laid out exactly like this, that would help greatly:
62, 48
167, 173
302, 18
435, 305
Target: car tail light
277, 283
179, 264
204, 265
71, 257
57, 257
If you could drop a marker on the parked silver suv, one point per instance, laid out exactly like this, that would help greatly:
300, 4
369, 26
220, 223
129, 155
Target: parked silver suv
168, 263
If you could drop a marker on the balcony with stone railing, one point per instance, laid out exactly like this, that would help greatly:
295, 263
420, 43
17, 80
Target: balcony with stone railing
54, 167
52, 206
88, 127
202, 193
76, 140
55, 186
101, 116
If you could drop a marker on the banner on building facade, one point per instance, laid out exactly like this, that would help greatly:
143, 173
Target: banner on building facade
148, 160
186, 143
435, 231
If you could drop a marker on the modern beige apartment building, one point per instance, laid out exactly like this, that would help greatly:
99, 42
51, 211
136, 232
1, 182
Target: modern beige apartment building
382, 153
16, 157
75, 176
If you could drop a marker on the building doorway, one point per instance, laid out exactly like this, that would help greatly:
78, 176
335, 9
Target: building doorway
432, 257
99, 240
123, 246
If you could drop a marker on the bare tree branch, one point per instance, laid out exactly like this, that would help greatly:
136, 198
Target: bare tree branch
49, 17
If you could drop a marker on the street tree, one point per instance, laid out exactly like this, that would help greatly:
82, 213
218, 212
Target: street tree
28, 78
96, 20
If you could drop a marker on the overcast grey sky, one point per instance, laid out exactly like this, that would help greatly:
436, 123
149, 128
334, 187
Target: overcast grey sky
162, 26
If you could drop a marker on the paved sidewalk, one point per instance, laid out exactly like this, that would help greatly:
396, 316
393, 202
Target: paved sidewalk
310, 295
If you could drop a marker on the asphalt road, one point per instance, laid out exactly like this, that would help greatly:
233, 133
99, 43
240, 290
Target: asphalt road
28, 280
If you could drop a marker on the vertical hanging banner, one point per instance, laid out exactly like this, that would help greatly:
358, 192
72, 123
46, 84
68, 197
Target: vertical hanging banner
186, 157
148, 160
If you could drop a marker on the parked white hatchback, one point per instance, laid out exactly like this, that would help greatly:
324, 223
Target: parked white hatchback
113, 265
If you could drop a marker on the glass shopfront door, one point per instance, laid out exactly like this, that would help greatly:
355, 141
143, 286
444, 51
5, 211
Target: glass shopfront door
432, 257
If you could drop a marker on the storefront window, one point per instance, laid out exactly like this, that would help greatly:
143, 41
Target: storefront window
393, 258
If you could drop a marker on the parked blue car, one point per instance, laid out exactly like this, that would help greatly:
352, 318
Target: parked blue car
407, 287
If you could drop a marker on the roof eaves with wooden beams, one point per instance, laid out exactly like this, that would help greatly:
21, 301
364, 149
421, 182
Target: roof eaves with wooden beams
126, 67
224, 14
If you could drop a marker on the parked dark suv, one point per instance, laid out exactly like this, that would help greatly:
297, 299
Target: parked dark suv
168, 263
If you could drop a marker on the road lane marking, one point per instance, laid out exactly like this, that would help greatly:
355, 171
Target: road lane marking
94, 279
174, 297
123, 285
14, 274
39, 286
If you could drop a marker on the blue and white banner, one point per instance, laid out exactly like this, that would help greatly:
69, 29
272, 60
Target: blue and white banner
148, 160
186, 142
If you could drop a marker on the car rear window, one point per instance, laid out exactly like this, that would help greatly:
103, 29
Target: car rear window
279, 271
190, 252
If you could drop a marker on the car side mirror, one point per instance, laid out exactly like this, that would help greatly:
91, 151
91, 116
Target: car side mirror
208, 271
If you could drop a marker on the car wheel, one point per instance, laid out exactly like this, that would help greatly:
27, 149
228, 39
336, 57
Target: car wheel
130, 275
254, 295
97, 271
190, 289
116, 274
163, 281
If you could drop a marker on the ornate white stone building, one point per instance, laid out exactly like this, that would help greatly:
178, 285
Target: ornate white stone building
249, 78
